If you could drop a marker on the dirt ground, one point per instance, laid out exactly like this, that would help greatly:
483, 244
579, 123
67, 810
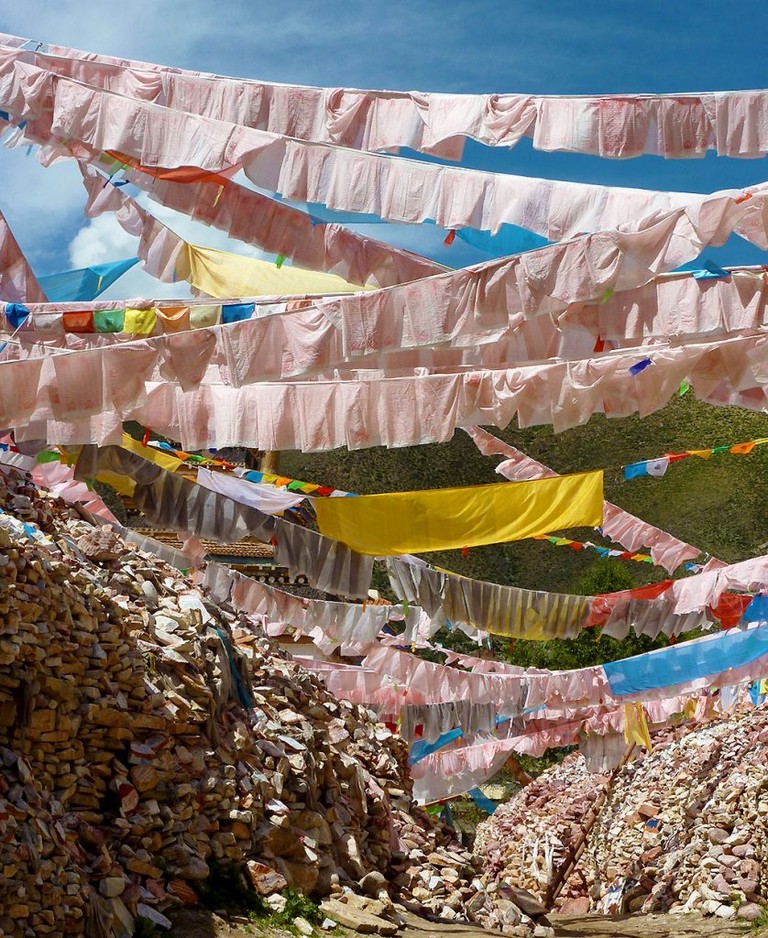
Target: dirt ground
200, 924
646, 926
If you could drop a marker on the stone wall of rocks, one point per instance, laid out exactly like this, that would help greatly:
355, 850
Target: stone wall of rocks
683, 828
146, 733
530, 837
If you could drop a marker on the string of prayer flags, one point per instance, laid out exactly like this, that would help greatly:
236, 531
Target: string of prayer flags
688, 661
658, 467
191, 458
295, 485
650, 467
155, 320
253, 475
602, 551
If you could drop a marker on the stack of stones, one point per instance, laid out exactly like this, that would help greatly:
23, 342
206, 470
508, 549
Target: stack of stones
147, 734
528, 839
683, 828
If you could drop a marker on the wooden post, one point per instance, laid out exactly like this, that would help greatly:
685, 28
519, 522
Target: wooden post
574, 854
520, 775
270, 462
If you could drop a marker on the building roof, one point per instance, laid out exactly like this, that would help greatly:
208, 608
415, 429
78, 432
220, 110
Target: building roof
248, 547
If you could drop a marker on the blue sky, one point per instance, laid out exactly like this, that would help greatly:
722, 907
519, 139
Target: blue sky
550, 46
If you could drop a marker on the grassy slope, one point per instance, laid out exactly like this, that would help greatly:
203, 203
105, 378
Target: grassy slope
719, 505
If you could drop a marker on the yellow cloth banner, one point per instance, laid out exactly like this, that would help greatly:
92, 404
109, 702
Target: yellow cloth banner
441, 519
157, 456
221, 274
636, 726
123, 484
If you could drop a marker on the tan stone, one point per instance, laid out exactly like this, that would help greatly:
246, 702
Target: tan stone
356, 920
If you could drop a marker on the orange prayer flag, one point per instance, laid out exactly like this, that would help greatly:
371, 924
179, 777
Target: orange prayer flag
78, 321
743, 448
188, 174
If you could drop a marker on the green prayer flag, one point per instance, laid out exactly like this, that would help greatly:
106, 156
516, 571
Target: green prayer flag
108, 320
279, 260
684, 388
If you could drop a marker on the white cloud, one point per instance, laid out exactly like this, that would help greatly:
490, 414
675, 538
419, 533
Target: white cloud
102, 240
489, 45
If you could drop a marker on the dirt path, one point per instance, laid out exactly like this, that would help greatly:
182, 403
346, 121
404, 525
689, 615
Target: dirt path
199, 924
645, 926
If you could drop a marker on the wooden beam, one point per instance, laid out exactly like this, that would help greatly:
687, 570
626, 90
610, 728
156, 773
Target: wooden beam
270, 462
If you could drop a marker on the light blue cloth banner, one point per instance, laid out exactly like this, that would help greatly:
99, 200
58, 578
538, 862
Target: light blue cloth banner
687, 661
84, 284
757, 610
421, 748
508, 240
756, 697
482, 801
711, 271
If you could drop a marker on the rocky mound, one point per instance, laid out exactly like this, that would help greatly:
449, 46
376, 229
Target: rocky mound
147, 734
682, 828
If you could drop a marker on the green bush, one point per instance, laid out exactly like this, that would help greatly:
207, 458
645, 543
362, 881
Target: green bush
297, 905
762, 922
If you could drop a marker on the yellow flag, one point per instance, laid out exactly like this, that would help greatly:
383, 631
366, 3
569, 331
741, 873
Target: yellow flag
121, 484
635, 726
157, 456
441, 519
201, 316
221, 274
140, 321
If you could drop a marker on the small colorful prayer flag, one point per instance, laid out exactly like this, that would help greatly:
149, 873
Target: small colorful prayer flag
640, 366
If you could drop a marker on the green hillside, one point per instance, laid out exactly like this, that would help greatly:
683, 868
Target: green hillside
720, 505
